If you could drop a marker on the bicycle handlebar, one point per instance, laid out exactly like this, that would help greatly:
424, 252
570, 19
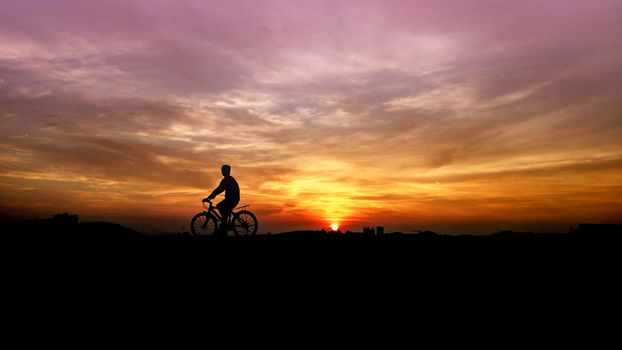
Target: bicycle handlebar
205, 202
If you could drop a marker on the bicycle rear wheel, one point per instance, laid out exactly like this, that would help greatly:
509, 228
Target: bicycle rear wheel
244, 223
203, 224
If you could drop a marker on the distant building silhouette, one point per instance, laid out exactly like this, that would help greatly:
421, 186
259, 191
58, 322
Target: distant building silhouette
379, 230
369, 230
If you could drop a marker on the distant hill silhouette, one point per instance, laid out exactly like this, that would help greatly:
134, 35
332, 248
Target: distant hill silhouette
66, 225
69, 226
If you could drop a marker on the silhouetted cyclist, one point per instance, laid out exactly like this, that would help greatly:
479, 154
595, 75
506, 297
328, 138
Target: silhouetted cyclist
232, 196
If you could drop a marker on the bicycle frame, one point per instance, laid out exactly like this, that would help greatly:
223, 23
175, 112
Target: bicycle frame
216, 213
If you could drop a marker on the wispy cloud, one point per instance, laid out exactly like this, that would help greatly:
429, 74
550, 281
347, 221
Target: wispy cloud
407, 112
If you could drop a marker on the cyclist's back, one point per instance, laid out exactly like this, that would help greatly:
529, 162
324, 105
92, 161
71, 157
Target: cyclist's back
230, 187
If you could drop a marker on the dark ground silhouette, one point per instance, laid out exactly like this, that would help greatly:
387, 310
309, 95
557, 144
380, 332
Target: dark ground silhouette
60, 264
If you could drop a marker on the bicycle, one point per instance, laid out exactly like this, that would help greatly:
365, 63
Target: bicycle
240, 220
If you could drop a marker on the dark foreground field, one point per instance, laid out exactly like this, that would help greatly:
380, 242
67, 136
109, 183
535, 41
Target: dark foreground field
100, 270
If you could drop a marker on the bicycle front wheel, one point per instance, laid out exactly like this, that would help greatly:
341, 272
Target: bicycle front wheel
244, 223
203, 224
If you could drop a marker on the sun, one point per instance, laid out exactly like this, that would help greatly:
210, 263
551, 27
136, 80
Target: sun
334, 227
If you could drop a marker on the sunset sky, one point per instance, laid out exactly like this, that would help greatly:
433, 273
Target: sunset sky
452, 116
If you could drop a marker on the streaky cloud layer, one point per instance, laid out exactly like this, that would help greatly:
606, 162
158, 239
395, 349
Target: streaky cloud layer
455, 116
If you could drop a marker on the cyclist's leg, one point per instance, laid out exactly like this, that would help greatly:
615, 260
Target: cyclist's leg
224, 207
232, 204
222, 230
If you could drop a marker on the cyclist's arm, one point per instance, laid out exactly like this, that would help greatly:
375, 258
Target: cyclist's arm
220, 189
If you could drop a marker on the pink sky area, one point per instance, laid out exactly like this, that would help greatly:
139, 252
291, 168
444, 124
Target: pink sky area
452, 116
